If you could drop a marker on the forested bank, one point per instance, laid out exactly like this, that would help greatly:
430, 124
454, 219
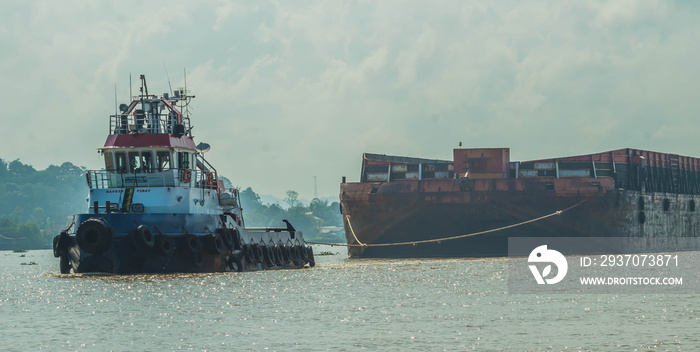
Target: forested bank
319, 220
34, 205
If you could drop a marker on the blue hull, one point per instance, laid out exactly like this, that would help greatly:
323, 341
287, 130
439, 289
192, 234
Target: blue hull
174, 243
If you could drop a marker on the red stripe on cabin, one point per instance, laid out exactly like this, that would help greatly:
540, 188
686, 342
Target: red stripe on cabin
148, 140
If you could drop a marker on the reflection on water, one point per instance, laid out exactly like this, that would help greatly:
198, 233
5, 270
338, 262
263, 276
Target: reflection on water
340, 305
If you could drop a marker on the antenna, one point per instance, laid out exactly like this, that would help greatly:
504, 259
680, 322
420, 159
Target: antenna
131, 95
315, 188
167, 75
185, 97
143, 86
115, 100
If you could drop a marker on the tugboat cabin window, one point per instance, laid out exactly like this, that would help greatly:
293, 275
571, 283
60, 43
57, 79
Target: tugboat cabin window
147, 161
163, 160
120, 158
140, 162
109, 162
183, 160
134, 162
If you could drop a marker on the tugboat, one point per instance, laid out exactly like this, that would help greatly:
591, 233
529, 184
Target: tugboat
158, 206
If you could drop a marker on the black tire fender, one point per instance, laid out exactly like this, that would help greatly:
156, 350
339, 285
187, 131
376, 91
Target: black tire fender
64, 264
248, 253
287, 250
312, 261
279, 255
235, 238
269, 254
94, 236
59, 244
235, 261
227, 237
192, 243
142, 237
304, 253
259, 253
163, 245
296, 256
215, 245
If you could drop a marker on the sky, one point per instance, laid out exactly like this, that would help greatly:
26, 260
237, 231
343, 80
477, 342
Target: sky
289, 90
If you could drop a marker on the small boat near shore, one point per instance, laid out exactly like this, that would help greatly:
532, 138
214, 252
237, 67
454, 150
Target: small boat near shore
159, 206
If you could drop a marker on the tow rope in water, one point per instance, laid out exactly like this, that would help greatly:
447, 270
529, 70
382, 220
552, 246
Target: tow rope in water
360, 244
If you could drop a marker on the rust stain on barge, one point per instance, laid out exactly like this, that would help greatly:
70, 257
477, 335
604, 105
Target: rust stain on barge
626, 193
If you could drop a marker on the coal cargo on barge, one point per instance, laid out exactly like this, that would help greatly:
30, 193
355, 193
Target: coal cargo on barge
159, 206
619, 193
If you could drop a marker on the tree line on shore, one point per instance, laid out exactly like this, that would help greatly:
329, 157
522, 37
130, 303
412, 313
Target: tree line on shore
34, 206
34, 203
318, 221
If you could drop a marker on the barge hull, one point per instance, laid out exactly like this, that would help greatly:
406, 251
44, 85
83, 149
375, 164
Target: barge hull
621, 200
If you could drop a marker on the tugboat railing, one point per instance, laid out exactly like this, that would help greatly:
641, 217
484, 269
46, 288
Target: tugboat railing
141, 122
104, 179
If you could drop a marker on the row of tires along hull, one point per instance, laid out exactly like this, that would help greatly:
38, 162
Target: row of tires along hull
96, 248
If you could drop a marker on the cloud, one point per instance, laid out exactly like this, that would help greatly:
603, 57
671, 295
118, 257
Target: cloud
228, 10
627, 12
288, 91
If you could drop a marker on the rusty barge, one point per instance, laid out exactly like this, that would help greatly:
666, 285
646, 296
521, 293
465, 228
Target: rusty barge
619, 193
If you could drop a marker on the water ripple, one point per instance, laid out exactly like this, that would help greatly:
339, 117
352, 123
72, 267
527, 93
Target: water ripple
340, 305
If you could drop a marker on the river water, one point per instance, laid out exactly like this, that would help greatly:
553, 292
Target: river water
339, 305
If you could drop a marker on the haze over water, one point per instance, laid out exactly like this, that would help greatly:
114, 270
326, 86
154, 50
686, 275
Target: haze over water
340, 305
